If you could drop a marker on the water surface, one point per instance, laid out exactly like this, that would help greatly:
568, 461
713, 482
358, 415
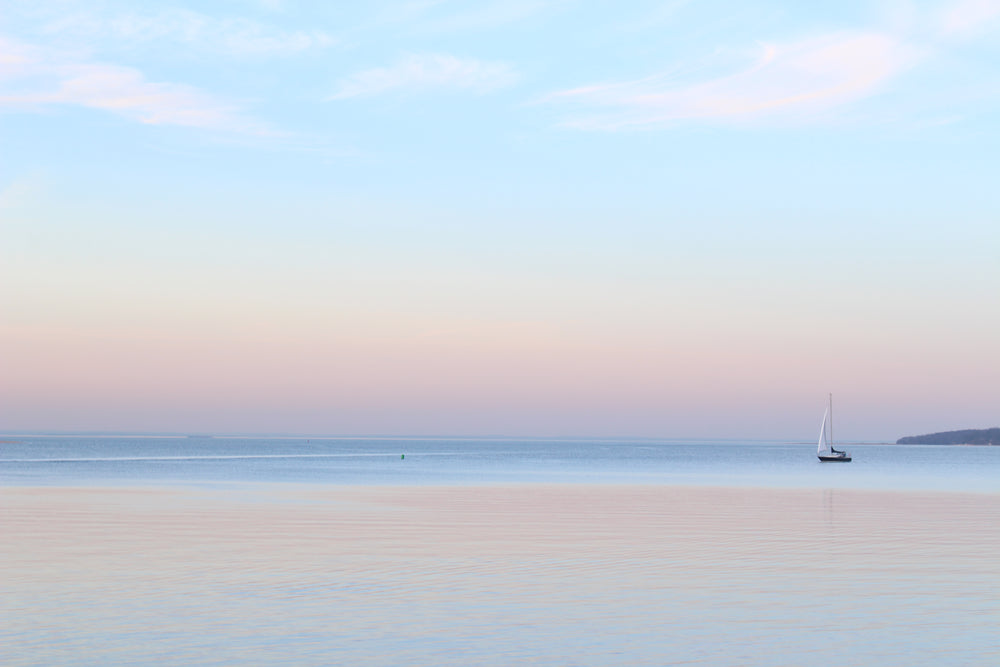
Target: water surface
101, 460
261, 551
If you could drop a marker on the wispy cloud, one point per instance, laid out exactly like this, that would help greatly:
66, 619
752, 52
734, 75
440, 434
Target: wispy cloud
428, 71
793, 80
485, 16
663, 13
235, 36
272, 5
969, 17
31, 77
447, 16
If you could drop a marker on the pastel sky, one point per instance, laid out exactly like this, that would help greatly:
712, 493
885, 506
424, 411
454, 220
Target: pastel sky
690, 218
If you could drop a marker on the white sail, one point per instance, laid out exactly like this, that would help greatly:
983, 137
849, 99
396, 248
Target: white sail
823, 447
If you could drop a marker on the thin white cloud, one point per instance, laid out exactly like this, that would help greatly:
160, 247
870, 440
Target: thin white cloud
235, 36
486, 16
798, 81
272, 5
448, 16
428, 71
31, 78
967, 18
660, 15
407, 12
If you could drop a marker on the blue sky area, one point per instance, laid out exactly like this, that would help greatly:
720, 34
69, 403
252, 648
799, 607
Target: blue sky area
525, 217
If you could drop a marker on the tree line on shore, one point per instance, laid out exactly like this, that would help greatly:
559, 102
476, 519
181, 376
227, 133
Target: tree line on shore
984, 436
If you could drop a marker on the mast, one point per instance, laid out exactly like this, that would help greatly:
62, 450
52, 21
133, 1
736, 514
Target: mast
831, 420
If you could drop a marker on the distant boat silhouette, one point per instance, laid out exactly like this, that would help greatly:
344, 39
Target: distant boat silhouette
825, 450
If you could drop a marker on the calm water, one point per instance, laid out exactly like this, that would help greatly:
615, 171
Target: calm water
495, 552
85, 460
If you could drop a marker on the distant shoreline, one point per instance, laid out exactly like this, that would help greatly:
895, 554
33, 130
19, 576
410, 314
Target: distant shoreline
981, 437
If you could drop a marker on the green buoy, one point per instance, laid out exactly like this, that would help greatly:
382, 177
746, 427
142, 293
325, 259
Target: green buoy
402, 456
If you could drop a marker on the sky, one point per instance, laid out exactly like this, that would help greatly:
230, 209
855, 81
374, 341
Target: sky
682, 218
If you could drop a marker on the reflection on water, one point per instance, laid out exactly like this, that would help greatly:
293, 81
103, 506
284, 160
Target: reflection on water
497, 574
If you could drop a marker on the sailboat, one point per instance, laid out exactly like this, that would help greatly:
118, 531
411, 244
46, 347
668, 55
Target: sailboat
825, 450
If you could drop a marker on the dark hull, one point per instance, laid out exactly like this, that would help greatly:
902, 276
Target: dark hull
843, 459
